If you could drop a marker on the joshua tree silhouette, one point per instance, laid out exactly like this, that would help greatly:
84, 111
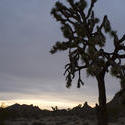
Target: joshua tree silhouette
85, 41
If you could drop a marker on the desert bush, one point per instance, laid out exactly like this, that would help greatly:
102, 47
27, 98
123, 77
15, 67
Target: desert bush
38, 123
86, 123
61, 123
24, 124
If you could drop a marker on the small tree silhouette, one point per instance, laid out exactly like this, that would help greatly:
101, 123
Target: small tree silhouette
85, 40
55, 108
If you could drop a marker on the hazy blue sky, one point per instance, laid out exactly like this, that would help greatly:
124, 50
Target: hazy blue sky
28, 72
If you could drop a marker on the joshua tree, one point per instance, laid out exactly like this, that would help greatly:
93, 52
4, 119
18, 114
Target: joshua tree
55, 108
85, 39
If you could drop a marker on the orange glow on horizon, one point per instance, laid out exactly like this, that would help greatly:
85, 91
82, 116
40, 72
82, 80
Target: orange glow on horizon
44, 104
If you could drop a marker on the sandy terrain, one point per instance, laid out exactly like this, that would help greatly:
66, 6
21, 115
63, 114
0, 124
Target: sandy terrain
65, 120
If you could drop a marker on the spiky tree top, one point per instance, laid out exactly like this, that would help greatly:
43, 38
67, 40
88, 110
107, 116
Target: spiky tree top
85, 39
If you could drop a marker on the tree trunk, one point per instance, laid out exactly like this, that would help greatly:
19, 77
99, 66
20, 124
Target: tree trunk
102, 108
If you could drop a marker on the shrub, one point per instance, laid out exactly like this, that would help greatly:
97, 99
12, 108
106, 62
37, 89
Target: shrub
38, 123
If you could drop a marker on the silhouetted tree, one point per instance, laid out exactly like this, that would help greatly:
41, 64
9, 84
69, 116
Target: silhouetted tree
85, 39
55, 108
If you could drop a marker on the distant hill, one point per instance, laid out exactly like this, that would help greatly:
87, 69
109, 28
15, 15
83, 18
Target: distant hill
23, 108
116, 107
26, 111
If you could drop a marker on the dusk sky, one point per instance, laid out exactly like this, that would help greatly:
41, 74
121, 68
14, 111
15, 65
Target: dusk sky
28, 72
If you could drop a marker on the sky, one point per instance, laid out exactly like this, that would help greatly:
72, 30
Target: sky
29, 74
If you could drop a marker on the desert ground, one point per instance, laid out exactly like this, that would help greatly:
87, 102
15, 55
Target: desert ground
65, 120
